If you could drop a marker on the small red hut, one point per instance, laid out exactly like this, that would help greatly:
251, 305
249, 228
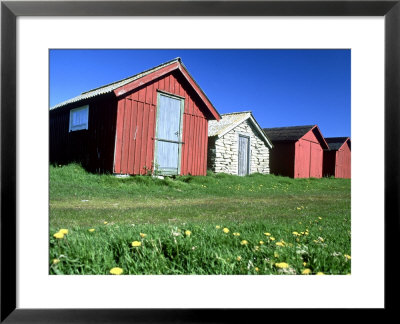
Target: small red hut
297, 152
156, 120
337, 159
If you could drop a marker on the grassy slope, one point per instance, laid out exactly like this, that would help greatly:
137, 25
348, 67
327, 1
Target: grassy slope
164, 209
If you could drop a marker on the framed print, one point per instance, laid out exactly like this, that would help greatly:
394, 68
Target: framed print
30, 30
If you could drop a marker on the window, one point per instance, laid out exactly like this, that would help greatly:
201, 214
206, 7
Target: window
79, 118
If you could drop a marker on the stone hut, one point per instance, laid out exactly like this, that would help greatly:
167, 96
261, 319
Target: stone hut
237, 145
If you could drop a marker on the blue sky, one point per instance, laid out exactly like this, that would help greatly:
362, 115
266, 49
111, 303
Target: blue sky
280, 87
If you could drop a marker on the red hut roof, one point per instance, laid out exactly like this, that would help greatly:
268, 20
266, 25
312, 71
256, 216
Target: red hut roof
123, 86
294, 133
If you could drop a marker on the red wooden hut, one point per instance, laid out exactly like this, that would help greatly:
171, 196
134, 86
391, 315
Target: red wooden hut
156, 120
297, 152
337, 159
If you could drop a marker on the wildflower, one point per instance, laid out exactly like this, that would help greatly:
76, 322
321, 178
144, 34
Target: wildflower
348, 257
59, 235
226, 230
267, 234
272, 238
244, 242
91, 230
236, 234
239, 258
320, 274
142, 235
217, 227
256, 248
261, 242
281, 265
298, 208
55, 261
187, 233
306, 271
295, 233
320, 218
321, 239
105, 223
64, 231
136, 243
276, 255
304, 264
280, 244
256, 268
116, 271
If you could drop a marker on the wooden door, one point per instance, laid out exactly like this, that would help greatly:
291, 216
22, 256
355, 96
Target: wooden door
168, 134
243, 155
315, 160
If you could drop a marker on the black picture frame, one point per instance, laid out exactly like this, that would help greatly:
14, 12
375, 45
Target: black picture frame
10, 10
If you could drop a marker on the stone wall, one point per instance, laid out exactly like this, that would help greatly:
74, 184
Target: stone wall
223, 151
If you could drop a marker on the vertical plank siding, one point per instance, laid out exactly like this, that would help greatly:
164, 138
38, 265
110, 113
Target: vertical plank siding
94, 147
136, 125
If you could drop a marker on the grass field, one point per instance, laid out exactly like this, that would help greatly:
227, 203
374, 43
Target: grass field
216, 224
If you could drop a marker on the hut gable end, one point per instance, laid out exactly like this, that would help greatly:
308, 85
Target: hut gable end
236, 145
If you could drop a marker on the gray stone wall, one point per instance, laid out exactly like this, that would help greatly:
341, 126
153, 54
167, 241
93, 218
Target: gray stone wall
223, 151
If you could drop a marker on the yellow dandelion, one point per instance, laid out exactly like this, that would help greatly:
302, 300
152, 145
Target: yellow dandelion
244, 242
320, 218
239, 258
142, 235
136, 243
256, 248
187, 233
261, 242
64, 231
276, 254
281, 265
256, 268
217, 227
298, 208
320, 274
280, 244
295, 233
105, 223
236, 234
348, 257
306, 271
226, 230
267, 234
55, 261
91, 230
272, 238
304, 264
59, 235
116, 271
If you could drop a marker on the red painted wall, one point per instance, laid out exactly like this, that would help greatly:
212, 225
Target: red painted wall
94, 147
343, 162
281, 159
136, 123
308, 157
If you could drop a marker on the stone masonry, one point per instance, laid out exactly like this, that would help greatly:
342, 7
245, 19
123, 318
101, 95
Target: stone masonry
223, 151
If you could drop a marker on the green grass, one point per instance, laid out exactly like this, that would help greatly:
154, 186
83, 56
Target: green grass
164, 209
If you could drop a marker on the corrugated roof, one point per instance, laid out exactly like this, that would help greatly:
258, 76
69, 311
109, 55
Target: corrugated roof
227, 121
335, 143
289, 134
230, 121
112, 86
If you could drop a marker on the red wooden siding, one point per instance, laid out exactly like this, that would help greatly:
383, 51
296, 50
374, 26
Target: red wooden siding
337, 163
308, 157
282, 159
136, 124
94, 147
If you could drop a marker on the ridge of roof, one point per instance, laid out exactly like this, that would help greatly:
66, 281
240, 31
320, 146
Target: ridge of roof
230, 121
113, 85
335, 143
